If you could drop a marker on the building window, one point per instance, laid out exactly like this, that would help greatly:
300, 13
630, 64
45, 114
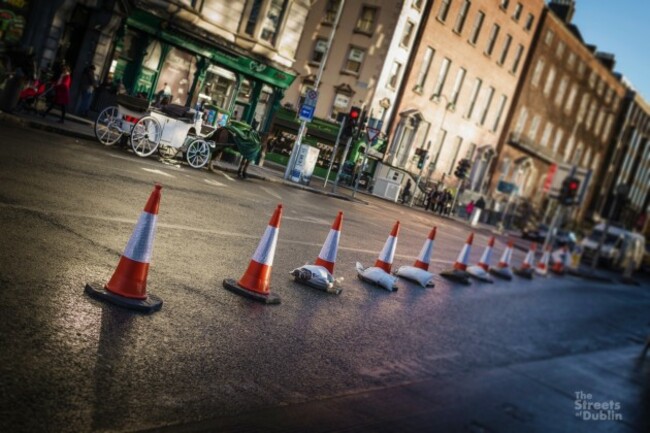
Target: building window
583, 107
320, 48
366, 21
354, 60
582, 68
599, 122
530, 19
609, 95
537, 73
458, 84
558, 139
550, 79
472, 100
559, 51
534, 127
476, 29
546, 135
548, 39
504, 4
590, 116
486, 107
504, 51
458, 143
494, 33
518, 54
444, 10
592, 79
568, 107
408, 33
601, 88
502, 106
517, 13
417, 4
571, 61
273, 20
394, 75
253, 16
340, 105
561, 90
462, 16
521, 121
424, 69
331, 11
608, 127
442, 77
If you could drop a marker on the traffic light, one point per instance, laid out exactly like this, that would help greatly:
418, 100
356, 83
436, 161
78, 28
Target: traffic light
352, 121
569, 190
422, 157
462, 168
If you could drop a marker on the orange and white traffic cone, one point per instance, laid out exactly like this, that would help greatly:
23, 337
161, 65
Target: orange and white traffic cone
385, 259
480, 271
128, 285
419, 272
559, 259
502, 270
542, 266
327, 256
255, 282
425, 253
320, 274
527, 268
459, 271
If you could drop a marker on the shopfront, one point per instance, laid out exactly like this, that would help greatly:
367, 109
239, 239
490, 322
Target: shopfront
13, 17
154, 61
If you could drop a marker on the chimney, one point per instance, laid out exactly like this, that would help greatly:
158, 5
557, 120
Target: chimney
563, 9
607, 59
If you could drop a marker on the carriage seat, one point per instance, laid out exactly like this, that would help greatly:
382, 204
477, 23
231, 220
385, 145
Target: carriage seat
178, 111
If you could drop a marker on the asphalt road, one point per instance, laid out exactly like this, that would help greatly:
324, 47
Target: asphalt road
69, 363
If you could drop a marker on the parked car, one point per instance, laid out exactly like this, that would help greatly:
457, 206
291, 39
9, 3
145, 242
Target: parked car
619, 244
538, 234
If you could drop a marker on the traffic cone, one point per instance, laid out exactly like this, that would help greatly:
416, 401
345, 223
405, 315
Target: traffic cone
559, 261
425, 253
128, 285
254, 284
385, 259
481, 270
502, 270
419, 272
542, 266
458, 272
327, 256
527, 269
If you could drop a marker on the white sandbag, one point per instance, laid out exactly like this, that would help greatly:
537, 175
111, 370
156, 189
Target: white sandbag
317, 277
420, 276
479, 273
377, 276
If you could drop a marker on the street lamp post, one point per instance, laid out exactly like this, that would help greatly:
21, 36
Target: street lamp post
303, 123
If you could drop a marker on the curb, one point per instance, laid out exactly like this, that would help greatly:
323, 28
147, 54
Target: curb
11, 118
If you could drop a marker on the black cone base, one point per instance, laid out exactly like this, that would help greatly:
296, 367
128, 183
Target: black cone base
503, 273
232, 286
457, 276
525, 273
149, 305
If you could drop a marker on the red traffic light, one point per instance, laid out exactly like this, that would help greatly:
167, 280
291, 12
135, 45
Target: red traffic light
573, 185
355, 113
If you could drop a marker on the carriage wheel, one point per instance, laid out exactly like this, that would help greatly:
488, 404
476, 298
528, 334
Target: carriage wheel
107, 126
198, 153
145, 136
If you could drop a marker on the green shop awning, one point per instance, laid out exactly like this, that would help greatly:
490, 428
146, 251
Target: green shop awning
317, 128
151, 24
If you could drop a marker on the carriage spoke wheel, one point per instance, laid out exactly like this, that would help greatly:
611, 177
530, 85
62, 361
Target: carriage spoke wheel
198, 153
107, 126
145, 136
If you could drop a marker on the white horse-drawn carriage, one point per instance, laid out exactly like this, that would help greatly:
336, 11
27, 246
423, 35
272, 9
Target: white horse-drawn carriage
173, 130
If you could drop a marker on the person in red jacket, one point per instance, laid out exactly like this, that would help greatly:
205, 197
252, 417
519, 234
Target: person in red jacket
61, 93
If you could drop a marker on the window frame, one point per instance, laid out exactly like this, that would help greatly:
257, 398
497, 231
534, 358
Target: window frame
461, 18
360, 20
443, 11
443, 72
504, 50
477, 26
347, 60
492, 39
423, 74
409, 34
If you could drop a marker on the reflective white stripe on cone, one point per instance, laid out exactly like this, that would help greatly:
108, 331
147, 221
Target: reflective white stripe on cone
502, 269
385, 259
327, 256
459, 272
542, 266
480, 271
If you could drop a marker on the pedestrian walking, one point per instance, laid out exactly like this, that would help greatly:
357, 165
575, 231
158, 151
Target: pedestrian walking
469, 208
407, 192
61, 93
87, 86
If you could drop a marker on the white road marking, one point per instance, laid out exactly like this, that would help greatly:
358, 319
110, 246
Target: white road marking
226, 176
271, 193
156, 171
213, 182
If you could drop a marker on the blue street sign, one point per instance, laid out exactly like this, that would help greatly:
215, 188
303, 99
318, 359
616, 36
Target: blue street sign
306, 113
